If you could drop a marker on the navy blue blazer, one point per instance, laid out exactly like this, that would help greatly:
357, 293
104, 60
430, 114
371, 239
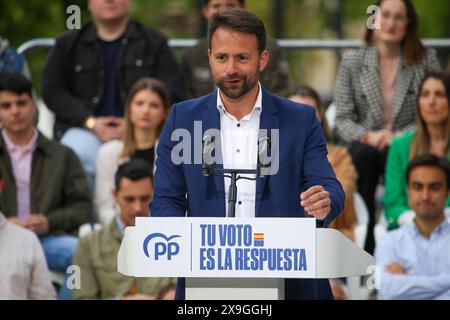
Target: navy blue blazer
182, 190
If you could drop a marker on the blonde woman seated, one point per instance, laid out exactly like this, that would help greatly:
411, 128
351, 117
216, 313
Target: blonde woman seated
431, 136
146, 109
339, 159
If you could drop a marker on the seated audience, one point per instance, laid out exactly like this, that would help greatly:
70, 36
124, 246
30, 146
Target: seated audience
345, 172
45, 187
97, 252
146, 109
90, 71
431, 136
414, 260
376, 92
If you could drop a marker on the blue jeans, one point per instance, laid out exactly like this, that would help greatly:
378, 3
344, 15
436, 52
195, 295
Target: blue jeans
59, 250
85, 144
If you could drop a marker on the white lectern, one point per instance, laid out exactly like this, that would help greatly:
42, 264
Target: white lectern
224, 259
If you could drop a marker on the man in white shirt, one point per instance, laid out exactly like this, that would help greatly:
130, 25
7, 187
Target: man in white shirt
23, 269
414, 260
300, 179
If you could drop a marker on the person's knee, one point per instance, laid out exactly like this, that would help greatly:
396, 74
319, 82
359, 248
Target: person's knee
60, 251
363, 154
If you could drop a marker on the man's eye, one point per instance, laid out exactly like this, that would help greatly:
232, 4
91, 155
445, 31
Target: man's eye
436, 187
416, 186
21, 103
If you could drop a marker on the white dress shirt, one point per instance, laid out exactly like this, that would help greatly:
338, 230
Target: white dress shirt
23, 269
239, 141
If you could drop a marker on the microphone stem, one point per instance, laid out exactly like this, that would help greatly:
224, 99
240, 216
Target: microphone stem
232, 195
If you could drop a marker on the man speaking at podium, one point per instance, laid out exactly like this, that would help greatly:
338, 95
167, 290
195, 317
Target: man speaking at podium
300, 179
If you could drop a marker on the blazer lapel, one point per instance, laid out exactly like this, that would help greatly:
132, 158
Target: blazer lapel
402, 82
370, 82
269, 120
211, 120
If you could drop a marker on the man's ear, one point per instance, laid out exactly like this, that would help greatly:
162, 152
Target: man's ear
35, 109
114, 193
209, 56
205, 12
263, 60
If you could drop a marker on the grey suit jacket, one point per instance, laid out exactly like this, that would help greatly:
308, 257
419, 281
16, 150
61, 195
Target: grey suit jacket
358, 98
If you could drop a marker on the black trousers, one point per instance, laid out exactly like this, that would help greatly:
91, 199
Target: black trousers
370, 164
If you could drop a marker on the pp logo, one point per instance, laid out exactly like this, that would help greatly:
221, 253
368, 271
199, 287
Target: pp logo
162, 248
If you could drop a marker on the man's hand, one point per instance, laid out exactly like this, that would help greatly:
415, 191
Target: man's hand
316, 202
118, 129
395, 268
108, 128
38, 223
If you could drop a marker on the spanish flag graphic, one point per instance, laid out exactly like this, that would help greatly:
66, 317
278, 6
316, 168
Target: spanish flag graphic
258, 239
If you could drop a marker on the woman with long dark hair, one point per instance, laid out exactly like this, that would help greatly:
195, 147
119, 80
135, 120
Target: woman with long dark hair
431, 136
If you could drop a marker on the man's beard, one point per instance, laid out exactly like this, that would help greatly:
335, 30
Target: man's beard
237, 91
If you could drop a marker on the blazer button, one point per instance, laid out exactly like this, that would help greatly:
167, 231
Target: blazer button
124, 41
78, 68
139, 62
95, 100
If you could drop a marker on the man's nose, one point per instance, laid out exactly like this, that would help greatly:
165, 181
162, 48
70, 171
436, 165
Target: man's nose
137, 206
15, 108
231, 67
425, 194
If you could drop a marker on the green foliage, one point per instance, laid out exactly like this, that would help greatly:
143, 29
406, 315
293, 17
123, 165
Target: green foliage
433, 15
22, 20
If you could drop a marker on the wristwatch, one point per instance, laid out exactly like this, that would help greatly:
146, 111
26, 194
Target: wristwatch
89, 123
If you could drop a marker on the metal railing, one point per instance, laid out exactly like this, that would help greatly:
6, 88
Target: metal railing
289, 44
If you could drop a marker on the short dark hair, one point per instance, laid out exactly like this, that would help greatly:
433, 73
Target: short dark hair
15, 82
206, 2
135, 169
240, 21
429, 160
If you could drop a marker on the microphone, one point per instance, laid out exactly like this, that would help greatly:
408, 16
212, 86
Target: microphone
208, 160
264, 147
